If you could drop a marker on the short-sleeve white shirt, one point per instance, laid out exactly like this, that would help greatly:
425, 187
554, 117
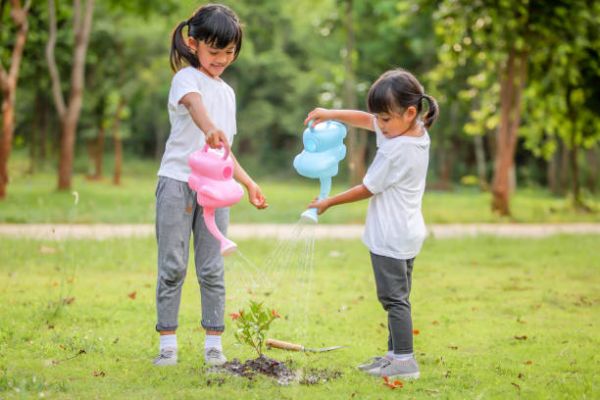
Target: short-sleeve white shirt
185, 136
395, 227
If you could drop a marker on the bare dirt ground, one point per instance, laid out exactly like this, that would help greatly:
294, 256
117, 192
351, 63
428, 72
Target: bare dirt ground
282, 231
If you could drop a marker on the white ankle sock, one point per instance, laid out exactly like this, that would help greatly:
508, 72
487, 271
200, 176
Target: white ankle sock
390, 354
213, 341
403, 357
168, 341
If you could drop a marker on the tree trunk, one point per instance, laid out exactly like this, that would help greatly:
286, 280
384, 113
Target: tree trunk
552, 171
563, 176
357, 141
97, 152
592, 162
481, 162
118, 142
578, 202
8, 85
511, 86
8, 115
69, 112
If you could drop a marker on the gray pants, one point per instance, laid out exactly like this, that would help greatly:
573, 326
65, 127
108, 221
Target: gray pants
178, 214
393, 279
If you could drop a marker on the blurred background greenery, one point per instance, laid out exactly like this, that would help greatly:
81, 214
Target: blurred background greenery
527, 68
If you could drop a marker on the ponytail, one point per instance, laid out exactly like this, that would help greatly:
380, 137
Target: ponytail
180, 49
432, 112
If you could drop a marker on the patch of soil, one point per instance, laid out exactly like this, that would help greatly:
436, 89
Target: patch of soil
277, 370
261, 365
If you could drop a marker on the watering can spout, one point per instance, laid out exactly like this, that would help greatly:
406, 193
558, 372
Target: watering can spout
310, 216
228, 247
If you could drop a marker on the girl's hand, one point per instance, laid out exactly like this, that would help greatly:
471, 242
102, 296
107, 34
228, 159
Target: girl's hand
320, 205
318, 115
216, 138
256, 197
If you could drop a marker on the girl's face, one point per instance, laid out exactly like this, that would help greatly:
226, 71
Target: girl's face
213, 61
396, 124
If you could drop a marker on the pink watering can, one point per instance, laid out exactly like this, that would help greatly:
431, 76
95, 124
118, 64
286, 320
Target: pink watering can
212, 179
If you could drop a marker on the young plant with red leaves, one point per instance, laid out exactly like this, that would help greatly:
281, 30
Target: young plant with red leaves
252, 325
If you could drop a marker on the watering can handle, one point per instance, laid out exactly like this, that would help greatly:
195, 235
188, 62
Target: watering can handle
205, 149
311, 124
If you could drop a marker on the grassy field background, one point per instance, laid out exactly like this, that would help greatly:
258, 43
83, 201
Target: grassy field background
34, 199
497, 318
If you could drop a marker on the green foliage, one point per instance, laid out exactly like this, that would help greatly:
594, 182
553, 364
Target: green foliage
253, 325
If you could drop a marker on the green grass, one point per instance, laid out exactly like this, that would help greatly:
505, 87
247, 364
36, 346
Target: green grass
34, 199
472, 299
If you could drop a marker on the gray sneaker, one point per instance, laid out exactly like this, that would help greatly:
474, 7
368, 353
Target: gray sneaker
166, 357
408, 369
374, 362
214, 357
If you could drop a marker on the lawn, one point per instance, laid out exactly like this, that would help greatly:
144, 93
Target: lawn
496, 318
34, 199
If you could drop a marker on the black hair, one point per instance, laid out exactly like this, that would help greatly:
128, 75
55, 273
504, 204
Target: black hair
215, 24
396, 90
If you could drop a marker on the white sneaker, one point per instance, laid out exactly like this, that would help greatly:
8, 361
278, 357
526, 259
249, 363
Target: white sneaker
167, 356
407, 369
214, 357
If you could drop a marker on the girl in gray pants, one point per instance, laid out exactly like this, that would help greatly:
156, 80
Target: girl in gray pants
201, 110
395, 183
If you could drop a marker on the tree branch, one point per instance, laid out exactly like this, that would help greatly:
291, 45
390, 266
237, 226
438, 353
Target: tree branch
59, 101
19, 16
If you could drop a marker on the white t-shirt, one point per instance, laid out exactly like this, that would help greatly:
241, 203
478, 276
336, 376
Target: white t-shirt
185, 137
395, 227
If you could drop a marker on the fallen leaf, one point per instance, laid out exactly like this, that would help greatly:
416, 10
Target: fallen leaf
416, 331
520, 376
524, 337
47, 250
99, 374
435, 322
453, 347
515, 385
68, 300
528, 362
132, 295
392, 384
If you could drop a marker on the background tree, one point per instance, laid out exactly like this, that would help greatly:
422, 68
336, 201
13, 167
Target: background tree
69, 112
563, 100
8, 84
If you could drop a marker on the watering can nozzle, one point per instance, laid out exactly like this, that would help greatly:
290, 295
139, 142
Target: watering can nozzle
310, 216
228, 247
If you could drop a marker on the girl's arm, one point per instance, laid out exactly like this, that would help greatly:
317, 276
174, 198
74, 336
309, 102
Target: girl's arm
358, 192
215, 137
254, 193
360, 119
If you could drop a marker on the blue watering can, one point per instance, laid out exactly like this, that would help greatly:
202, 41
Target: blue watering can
323, 150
